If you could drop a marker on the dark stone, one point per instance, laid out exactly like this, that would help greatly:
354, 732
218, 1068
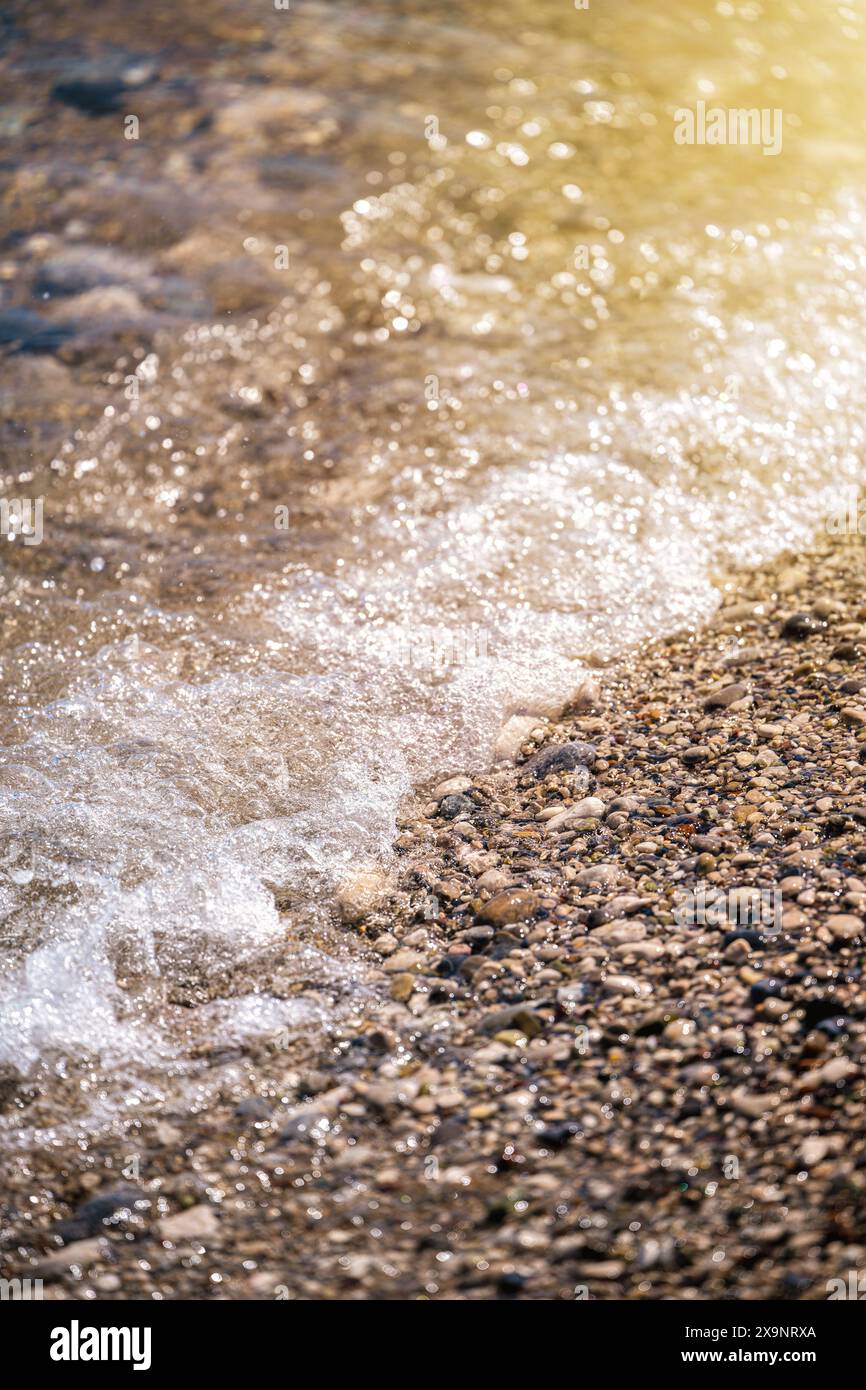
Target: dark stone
766, 989
600, 916
449, 1131
707, 844
801, 625
847, 651
833, 1027
98, 88
454, 807
817, 1011
557, 1136
97, 96
106, 1208
752, 938
23, 331
561, 757
450, 965
253, 1109
477, 936
509, 1282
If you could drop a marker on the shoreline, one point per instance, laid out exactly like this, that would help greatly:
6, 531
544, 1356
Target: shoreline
561, 1091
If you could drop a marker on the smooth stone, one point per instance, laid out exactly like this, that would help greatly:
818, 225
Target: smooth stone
102, 1210
196, 1223
800, 625
518, 1017
726, 695
590, 806
81, 1252
619, 933
454, 786
766, 989
514, 905
361, 893
844, 926
695, 754
847, 651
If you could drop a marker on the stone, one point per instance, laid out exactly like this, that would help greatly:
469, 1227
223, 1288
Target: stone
453, 786
844, 926
81, 1253
105, 1209
457, 808
23, 331
560, 757
695, 753
801, 625
589, 806
402, 987
512, 736
514, 905
361, 893
196, 1223
519, 1018
726, 695
750, 1104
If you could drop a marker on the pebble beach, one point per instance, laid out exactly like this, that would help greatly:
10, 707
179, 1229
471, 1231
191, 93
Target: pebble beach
561, 1086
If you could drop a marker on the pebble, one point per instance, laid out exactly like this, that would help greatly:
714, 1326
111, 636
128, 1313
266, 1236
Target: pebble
726, 695
453, 786
800, 625
196, 1223
515, 905
456, 807
512, 736
589, 806
561, 757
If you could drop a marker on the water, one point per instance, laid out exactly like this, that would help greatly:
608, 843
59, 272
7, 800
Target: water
425, 372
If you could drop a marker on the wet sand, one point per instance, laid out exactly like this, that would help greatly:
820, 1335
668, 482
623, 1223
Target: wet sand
562, 1086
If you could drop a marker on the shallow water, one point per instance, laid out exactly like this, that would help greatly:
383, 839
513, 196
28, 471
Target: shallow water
425, 371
